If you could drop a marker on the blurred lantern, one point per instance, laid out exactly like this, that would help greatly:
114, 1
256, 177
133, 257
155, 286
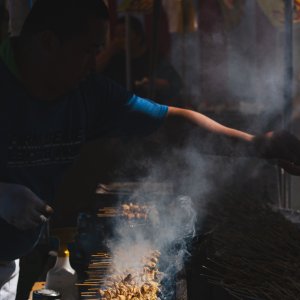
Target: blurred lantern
297, 10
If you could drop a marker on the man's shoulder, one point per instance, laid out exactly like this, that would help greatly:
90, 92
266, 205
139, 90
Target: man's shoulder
12, 91
99, 80
104, 89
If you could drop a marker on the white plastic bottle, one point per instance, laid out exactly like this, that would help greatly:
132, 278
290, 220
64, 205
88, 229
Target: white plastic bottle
62, 277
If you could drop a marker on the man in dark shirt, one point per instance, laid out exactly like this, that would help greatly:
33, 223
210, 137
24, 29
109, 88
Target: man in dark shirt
52, 103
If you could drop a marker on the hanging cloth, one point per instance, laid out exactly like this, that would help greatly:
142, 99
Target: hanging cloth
181, 14
143, 6
18, 11
232, 11
274, 10
173, 11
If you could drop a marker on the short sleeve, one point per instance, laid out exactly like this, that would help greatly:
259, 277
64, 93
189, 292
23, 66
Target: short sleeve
112, 111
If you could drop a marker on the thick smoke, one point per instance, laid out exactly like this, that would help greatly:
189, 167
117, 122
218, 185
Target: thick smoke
246, 76
175, 189
255, 80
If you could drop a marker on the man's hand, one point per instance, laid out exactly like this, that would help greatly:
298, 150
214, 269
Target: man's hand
20, 207
282, 147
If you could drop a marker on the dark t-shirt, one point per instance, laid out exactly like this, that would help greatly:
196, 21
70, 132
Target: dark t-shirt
39, 140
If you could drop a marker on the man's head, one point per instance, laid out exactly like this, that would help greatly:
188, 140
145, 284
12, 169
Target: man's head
66, 18
65, 35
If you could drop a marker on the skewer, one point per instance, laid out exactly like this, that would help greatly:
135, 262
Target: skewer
268, 247
88, 293
86, 284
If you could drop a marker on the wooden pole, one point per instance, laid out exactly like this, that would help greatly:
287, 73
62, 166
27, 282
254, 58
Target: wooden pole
154, 46
128, 52
288, 90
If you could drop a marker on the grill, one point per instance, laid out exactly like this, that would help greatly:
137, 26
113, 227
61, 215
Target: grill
118, 246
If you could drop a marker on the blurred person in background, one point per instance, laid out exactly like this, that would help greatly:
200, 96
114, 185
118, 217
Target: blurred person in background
111, 62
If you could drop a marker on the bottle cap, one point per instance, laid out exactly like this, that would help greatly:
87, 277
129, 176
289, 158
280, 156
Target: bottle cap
45, 294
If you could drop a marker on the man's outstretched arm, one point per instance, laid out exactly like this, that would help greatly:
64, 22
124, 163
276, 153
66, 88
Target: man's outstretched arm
282, 147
